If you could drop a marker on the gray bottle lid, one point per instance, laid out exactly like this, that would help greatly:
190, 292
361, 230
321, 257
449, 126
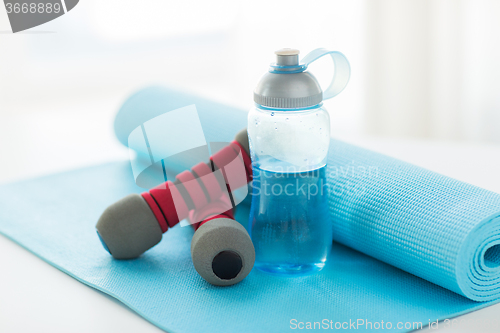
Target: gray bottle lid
288, 85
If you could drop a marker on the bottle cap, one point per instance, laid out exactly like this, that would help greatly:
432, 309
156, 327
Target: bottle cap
288, 85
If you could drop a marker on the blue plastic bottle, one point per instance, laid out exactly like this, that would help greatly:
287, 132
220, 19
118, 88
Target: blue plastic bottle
289, 134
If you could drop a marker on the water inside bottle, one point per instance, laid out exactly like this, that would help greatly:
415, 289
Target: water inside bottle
289, 221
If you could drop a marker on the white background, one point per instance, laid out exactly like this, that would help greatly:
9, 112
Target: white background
424, 88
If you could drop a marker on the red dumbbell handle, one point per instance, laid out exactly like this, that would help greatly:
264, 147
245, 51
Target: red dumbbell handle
196, 188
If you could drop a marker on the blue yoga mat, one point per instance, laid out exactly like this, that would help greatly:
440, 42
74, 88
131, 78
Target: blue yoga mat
411, 246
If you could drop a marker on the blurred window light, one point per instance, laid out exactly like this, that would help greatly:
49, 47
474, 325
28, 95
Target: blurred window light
132, 20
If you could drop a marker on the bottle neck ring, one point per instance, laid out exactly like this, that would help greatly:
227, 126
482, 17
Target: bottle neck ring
267, 108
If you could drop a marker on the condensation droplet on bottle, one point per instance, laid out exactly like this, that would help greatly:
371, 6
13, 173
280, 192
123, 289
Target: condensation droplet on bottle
317, 114
305, 159
272, 114
287, 119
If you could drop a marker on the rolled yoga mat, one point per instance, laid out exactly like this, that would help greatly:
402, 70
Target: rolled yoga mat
426, 224
440, 229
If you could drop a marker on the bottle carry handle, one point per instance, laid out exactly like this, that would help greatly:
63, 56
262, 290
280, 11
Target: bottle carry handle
341, 74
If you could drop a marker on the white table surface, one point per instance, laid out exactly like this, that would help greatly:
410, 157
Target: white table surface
36, 297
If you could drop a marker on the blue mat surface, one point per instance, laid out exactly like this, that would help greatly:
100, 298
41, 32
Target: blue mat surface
410, 244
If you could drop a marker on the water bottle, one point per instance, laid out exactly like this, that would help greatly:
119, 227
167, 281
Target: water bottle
289, 135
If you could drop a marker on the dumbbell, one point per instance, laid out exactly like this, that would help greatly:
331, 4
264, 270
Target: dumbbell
221, 249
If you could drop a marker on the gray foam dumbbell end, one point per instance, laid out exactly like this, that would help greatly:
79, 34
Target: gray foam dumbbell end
222, 252
128, 228
242, 138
